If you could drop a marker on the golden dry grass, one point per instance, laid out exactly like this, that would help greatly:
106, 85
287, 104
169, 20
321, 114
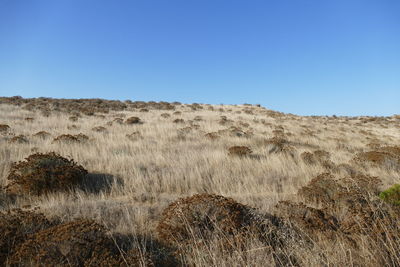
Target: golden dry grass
138, 175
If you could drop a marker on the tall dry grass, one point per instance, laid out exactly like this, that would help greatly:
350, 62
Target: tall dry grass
142, 175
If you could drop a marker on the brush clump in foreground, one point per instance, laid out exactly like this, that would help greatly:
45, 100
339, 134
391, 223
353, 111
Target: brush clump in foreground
194, 185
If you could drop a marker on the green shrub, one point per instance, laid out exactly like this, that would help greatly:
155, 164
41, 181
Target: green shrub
391, 195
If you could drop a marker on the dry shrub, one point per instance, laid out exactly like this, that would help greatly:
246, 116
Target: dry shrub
177, 113
44, 173
198, 118
239, 151
316, 223
234, 132
19, 139
134, 136
29, 119
99, 129
387, 157
185, 130
224, 120
68, 138
118, 120
73, 127
133, 120
42, 134
15, 226
319, 157
280, 145
178, 121
144, 110
199, 219
165, 115
394, 150
4, 128
212, 135
200, 216
360, 214
73, 118
76, 243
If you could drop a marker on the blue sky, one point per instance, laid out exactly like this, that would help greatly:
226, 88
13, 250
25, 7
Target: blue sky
304, 57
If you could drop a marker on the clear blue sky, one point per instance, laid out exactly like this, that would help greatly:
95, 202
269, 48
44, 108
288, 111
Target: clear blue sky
304, 57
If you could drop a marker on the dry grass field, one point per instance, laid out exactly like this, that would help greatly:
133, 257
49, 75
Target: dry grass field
196, 185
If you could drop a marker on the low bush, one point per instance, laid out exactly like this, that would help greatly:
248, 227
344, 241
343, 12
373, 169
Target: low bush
391, 195
43, 173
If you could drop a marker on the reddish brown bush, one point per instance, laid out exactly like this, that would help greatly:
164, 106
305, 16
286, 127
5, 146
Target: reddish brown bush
133, 120
386, 157
15, 226
316, 223
198, 118
178, 121
19, 139
42, 134
99, 129
75, 243
201, 216
239, 151
118, 120
68, 138
43, 173
73, 118
279, 145
134, 136
4, 128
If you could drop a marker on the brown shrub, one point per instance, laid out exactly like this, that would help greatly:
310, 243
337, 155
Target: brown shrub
165, 115
4, 128
42, 134
99, 129
19, 139
29, 119
68, 138
133, 120
43, 173
144, 110
118, 120
239, 151
316, 223
134, 136
15, 226
394, 150
185, 130
212, 135
280, 145
382, 158
75, 243
178, 121
308, 158
202, 217
73, 118
73, 127
234, 132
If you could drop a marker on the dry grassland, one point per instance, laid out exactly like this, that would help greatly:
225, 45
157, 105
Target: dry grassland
138, 166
